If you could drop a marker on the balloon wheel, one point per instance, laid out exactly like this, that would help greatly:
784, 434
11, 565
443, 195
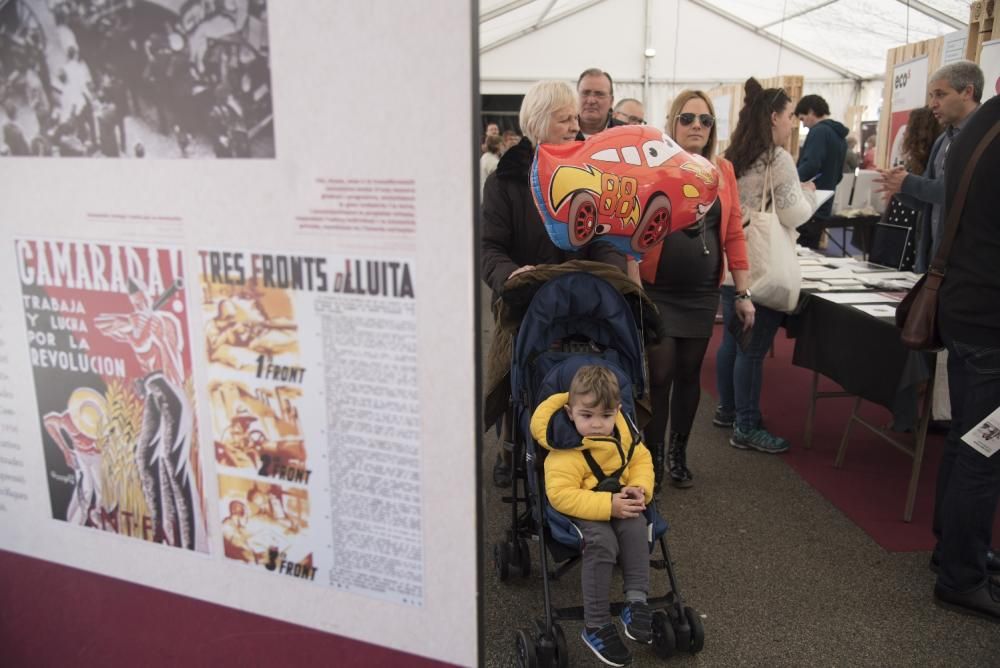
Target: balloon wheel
582, 219
655, 225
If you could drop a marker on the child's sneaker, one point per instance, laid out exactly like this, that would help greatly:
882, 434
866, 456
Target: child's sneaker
638, 621
607, 645
723, 418
758, 439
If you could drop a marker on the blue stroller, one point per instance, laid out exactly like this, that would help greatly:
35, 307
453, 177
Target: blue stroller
574, 320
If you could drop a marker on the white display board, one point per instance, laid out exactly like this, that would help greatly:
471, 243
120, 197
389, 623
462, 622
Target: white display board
989, 60
909, 91
954, 47
723, 105
237, 317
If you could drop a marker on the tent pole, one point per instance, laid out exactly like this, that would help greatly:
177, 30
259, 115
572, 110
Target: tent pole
935, 14
538, 26
646, 60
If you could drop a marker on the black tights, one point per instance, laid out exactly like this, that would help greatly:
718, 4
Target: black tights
674, 362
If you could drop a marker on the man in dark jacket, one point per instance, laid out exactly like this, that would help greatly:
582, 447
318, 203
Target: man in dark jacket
968, 485
821, 159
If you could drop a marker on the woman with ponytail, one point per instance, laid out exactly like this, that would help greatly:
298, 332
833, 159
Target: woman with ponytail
761, 165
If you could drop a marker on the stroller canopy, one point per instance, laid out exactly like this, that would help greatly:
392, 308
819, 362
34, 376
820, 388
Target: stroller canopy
584, 305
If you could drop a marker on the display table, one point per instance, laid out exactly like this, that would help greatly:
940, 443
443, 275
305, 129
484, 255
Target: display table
863, 354
865, 225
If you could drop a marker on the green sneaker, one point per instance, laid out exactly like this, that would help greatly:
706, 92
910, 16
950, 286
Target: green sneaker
758, 439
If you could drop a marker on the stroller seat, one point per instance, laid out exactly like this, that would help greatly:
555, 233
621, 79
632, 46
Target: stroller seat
574, 320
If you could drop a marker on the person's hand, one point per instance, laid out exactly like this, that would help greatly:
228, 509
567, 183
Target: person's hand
891, 181
745, 312
520, 270
809, 185
625, 507
635, 492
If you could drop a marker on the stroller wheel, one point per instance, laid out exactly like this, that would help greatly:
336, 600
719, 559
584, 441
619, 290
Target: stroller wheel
501, 560
697, 630
664, 640
526, 657
524, 557
562, 653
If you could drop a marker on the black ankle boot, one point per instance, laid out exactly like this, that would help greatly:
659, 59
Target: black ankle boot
680, 476
657, 451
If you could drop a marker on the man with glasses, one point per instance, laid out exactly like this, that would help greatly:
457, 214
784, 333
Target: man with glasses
629, 111
821, 159
596, 92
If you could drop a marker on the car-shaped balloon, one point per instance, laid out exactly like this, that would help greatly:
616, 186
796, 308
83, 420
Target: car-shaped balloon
629, 185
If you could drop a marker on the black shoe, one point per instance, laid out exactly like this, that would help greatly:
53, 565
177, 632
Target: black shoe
607, 645
724, 418
983, 601
680, 475
657, 452
992, 564
501, 472
638, 621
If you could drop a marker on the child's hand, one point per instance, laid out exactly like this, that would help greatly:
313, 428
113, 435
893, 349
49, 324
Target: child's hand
624, 507
635, 492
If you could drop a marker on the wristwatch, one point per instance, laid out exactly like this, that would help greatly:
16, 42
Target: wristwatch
744, 295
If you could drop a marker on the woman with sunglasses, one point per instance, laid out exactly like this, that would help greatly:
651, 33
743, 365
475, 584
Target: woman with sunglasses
755, 149
682, 275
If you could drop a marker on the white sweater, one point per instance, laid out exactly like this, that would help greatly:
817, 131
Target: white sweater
794, 206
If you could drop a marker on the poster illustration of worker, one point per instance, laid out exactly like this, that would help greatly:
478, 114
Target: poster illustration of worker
136, 79
255, 390
312, 401
267, 524
108, 341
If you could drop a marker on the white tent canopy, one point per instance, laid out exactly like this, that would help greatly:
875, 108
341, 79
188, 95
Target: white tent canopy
654, 48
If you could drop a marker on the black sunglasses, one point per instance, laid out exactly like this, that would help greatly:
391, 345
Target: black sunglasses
707, 120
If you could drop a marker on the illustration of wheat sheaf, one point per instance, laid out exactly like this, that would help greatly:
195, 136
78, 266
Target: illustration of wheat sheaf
117, 444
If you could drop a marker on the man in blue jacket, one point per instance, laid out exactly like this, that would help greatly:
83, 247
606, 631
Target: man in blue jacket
954, 94
821, 159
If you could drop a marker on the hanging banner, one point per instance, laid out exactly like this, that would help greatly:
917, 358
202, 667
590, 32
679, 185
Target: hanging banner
909, 92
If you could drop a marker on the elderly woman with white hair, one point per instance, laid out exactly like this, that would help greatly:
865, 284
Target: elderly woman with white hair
514, 238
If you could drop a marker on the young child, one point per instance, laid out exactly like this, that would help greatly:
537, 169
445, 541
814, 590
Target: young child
598, 473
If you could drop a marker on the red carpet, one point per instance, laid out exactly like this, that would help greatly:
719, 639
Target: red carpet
870, 488
53, 615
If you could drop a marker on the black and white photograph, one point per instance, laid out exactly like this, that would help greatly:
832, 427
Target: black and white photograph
135, 79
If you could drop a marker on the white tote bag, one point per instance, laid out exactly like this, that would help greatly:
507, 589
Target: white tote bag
775, 276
